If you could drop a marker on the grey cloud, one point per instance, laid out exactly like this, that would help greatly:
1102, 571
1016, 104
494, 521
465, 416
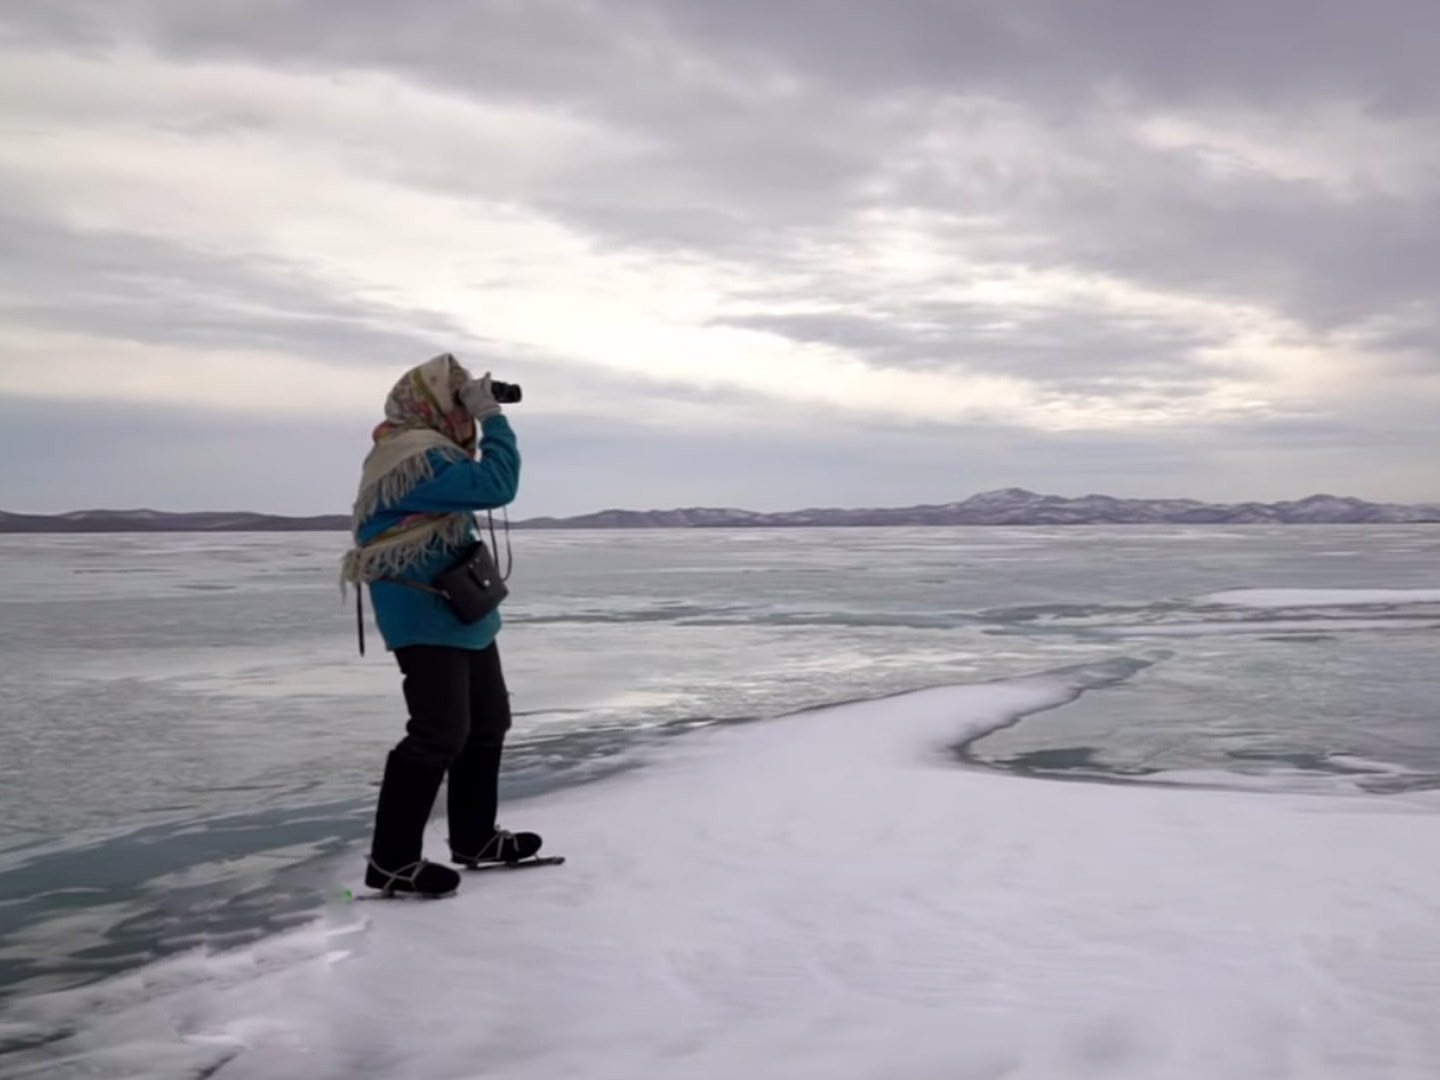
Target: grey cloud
1413, 346
192, 460
123, 456
747, 178
1284, 49
1382, 52
742, 177
1321, 261
865, 333
138, 288
1073, 351
770, 179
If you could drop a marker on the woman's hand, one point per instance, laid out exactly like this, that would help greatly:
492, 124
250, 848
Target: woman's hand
478, 399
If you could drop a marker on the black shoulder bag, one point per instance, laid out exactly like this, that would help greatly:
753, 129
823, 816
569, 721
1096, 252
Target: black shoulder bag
472, 586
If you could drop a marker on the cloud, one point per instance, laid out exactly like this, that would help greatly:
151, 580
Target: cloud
139, 289
1117, 218
125, 455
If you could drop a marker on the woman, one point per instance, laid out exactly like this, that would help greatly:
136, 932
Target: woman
413, 518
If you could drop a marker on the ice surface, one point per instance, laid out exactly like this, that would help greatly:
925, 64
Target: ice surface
1264, 626
830, 896
1296, 598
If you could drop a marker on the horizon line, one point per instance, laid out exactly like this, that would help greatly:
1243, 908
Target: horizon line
745, 510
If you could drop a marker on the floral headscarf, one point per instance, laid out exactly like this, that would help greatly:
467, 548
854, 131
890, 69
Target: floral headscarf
424, 420
426, 397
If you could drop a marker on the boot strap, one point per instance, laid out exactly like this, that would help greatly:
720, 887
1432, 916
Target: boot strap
496, 841
406, 874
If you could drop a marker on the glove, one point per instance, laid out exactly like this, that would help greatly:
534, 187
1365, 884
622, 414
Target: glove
477, 398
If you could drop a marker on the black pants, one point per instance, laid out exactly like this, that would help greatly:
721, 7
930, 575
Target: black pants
459, 714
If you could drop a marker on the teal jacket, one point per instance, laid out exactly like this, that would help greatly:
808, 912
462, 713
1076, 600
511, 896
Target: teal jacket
409, 616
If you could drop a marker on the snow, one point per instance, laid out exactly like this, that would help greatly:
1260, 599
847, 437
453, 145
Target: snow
1309, 598
1263, 626
831, 896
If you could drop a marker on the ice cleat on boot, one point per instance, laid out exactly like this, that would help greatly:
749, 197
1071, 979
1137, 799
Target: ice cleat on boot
503, 848
424, 879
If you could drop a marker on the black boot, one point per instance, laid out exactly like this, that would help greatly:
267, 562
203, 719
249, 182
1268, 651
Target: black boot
406, 797
473, 793
473, 796
501, 847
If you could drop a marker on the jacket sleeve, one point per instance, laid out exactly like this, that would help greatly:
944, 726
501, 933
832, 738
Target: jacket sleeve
487, 484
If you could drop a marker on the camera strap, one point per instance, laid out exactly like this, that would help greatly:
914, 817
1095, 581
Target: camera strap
494, 544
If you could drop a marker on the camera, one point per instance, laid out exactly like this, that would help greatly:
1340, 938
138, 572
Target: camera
504, 392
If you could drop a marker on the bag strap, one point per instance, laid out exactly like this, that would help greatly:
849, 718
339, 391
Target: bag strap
411, 583
360, 616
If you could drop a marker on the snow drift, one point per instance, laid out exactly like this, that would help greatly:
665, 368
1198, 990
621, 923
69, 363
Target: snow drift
831, 896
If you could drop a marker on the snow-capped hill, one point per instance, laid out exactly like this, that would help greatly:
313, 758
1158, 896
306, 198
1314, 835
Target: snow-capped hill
1017, 506
1008, 506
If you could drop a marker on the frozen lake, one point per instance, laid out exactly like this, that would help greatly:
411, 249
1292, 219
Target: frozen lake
189, 744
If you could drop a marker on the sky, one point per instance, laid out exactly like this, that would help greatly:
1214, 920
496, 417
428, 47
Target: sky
760, 253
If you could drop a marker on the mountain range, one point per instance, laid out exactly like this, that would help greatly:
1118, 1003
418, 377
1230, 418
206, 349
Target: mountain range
1010, 506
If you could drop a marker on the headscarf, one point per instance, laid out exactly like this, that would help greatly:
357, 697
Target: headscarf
423, 414
427, 399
